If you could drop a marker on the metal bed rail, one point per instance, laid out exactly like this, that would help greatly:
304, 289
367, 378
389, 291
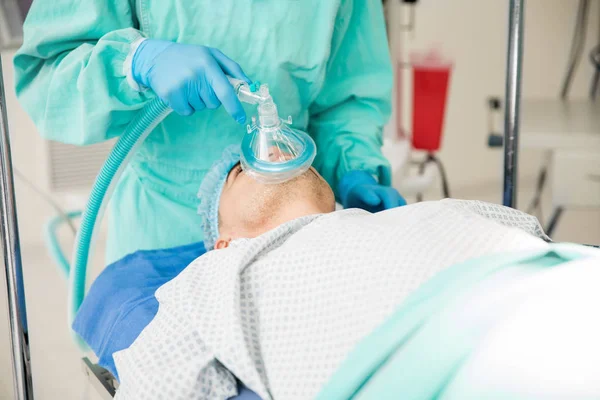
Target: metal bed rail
17, 315
100, 379
514, 66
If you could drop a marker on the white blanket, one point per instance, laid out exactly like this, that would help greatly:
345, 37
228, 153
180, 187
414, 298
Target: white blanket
281, 311
544, 342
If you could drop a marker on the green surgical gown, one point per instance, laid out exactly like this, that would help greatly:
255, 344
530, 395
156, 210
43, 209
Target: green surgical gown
326, 62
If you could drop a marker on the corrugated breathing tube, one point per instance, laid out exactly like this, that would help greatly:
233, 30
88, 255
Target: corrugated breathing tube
136, 132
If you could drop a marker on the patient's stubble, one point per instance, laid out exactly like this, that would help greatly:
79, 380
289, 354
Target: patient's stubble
306, 190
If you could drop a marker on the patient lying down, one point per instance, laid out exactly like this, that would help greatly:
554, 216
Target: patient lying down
292, 286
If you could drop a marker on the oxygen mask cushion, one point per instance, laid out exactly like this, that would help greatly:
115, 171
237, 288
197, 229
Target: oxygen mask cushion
277, 154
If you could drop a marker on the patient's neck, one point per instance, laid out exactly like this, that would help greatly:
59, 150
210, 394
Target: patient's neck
272, 221
290, 213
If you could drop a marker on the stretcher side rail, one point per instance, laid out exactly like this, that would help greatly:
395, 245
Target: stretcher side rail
11, 248
101, 379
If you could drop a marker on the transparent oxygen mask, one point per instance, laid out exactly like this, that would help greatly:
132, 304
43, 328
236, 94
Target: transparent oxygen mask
272, 151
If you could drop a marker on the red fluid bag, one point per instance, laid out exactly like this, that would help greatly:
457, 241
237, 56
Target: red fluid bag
431, 76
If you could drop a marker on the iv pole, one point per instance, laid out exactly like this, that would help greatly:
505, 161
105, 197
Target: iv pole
9, 235
513, 101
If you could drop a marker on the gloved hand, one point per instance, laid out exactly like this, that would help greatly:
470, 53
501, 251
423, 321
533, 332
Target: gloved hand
358, 189
188, 78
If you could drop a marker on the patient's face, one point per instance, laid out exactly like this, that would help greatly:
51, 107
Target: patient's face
249, 208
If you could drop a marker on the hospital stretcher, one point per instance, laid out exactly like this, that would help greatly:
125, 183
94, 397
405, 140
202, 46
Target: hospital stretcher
101, 378
103, 296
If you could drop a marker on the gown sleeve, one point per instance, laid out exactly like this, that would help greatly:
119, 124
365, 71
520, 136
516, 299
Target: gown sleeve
72, 69
348, 115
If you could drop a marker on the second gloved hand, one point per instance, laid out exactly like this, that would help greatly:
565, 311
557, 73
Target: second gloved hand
358, 189
188, 78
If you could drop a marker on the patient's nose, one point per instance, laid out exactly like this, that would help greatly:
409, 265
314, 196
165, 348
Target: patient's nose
278, 155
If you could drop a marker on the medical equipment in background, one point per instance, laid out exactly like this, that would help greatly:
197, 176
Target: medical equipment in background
401, 65
514, 66
495, 139
567, 134
577, 47
430, 84
12, 16
398, 149
408, 27
595, 59
431, 76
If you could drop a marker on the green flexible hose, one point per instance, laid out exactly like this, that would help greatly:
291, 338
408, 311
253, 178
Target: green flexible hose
135, 133
52, 240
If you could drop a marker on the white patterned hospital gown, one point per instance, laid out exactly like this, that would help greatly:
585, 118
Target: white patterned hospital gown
281, 311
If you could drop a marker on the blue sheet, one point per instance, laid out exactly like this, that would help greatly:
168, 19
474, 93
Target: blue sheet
121, 302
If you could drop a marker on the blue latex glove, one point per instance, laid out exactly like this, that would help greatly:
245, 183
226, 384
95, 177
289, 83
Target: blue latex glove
358, 189
188, 78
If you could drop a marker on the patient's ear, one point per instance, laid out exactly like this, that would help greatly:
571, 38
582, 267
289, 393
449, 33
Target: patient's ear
222, 243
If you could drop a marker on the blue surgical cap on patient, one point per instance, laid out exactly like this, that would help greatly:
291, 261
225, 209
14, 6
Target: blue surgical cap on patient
210, 194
